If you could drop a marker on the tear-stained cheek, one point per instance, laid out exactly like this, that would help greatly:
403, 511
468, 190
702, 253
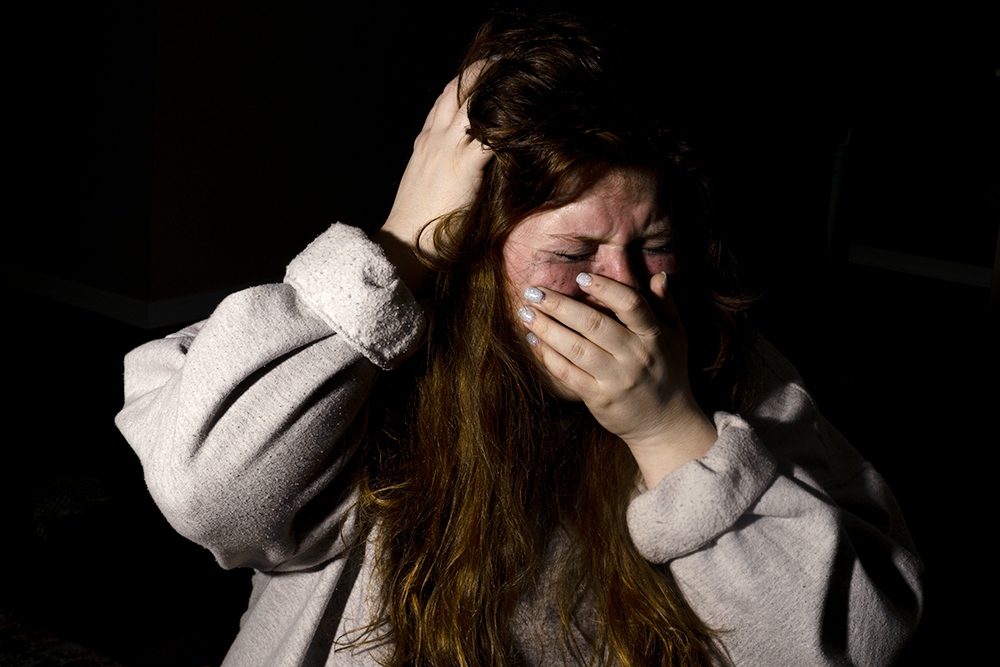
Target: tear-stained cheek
559, 277
662, 263
562, 279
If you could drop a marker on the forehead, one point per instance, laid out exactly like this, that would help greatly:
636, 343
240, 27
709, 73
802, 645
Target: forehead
618, 206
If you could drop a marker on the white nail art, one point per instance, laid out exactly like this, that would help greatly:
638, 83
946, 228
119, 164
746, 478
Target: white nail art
584, 279
526, 314
533, 294
532, 339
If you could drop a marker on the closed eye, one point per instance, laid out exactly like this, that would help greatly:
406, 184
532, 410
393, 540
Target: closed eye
574, 257
660, 250
665, 249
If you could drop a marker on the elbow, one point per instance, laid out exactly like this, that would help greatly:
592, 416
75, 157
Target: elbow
211, 513
190, 504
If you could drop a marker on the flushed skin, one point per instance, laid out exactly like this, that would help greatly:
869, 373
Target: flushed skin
599, 339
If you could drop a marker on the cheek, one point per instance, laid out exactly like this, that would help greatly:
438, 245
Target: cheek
661, 263
558, 277
554, 277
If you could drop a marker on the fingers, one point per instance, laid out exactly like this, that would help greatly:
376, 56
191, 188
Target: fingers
446, 114
469, 77
573, 315
626, 303
668, 307
576, 342
631, 309
443, 174
572, 336
571, 359
450, 110
445, 133
631, 372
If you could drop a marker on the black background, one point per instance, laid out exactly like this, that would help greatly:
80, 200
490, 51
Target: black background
167, 150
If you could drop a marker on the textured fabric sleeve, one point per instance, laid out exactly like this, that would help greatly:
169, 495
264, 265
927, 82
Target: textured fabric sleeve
248, 424
785, 538
350, 284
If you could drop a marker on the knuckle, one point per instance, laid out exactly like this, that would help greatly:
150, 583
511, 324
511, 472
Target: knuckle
561, 373
631, 302
593, 321
644, 358
421, 142
576, 350
637, 379
603, 401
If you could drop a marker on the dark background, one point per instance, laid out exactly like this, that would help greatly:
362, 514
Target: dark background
168, 153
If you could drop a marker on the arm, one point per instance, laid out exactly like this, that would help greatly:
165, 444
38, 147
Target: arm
774, 527
786, 537
246, 424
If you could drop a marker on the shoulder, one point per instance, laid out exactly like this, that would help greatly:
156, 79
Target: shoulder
788, 420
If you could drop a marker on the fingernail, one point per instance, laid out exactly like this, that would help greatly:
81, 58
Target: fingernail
584, 279
532, 339
533, 294
526, 314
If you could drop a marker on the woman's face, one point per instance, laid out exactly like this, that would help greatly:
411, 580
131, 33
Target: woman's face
613, 228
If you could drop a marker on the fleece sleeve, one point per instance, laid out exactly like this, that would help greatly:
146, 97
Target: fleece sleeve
248, 424
783, 537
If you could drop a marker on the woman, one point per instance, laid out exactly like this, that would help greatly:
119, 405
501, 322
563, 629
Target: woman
591, 459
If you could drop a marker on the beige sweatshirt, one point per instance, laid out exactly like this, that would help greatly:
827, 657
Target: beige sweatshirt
247, 425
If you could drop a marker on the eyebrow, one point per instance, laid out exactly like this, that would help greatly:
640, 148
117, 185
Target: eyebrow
659, 228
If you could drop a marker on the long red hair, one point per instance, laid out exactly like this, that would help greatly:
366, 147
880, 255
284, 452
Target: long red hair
486, 492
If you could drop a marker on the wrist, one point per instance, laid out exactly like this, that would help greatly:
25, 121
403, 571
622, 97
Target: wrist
687, 435
403, 257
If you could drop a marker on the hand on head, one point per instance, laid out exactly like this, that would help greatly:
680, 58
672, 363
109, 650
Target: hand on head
444, 171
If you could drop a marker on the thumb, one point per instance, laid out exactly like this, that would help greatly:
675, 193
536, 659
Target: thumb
668, 307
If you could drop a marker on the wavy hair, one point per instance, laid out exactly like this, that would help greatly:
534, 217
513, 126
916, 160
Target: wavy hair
487, 494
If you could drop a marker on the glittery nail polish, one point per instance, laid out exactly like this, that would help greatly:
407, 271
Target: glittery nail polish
584, 279
533, 294
526, 314
532, 339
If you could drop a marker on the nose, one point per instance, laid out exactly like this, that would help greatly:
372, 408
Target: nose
621, 267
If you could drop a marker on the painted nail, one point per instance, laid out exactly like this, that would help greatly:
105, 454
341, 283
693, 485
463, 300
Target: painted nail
526, 314
584, 279
532, 339
533, 294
